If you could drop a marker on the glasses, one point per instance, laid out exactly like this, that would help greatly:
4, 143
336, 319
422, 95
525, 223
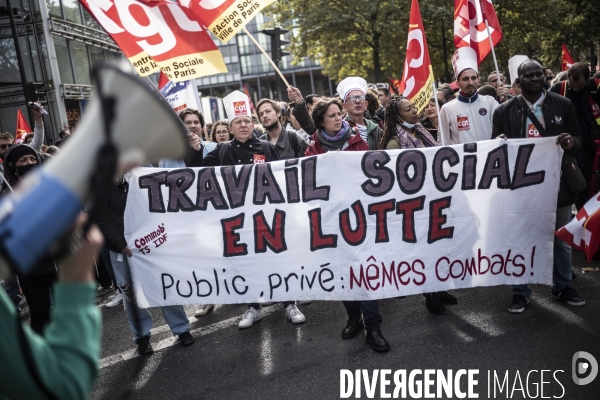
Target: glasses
5, 146
356, 98
222, 133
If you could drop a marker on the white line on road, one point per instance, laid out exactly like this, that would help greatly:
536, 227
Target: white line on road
163, 344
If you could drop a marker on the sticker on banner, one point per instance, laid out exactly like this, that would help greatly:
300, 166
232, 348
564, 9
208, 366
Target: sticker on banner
463, 123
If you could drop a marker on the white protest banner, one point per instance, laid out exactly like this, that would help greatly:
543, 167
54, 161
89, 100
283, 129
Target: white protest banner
345, 225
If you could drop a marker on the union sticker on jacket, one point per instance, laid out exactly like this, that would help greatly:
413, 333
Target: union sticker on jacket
463, 122
259, 159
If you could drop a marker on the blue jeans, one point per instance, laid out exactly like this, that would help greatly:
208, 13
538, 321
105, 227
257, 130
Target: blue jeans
174, 315
561, 273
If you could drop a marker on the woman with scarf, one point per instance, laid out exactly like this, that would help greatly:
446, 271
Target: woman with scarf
333, 133
402, 130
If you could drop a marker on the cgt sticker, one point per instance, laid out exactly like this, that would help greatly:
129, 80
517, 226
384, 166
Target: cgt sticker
463, 123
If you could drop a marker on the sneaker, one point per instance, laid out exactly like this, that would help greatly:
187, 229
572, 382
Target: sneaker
447, 298
249, 318
305, 301
518, 304
115, 301
434, 304
204, 309
353, 327
377, 342
186, 339
569, 296
144, 346
293, 314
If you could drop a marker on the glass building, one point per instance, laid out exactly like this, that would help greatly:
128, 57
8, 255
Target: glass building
47, 48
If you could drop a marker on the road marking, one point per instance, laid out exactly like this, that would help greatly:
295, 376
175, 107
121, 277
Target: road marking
163, 344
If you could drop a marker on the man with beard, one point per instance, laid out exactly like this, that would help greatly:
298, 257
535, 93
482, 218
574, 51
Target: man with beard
289, 144
468, 118
519, 118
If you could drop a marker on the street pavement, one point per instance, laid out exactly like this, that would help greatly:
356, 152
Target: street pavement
275, 359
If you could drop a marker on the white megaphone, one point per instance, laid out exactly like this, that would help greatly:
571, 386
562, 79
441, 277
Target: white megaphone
126, 112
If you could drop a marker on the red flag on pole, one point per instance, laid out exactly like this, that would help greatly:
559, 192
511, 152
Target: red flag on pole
22, 126
166, 36
418, 74
247, 93
583, 232
567, 60
470, 29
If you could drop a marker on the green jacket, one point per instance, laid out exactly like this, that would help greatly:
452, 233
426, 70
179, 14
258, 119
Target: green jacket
66, 357
374, 132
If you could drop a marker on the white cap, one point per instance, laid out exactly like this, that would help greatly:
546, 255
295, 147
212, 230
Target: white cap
464, 58
351, 83
236, 105
513, 65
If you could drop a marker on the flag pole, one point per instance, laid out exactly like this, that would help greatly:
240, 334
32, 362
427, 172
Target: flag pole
487, 27
266, 55
437, 108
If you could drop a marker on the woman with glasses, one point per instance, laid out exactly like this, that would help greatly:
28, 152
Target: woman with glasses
402, 130
430, 122
220, 132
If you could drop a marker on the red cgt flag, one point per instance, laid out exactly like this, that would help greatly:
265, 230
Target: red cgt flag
470, 29
567, 60
583, 232
165, 36
418, 75
22, 126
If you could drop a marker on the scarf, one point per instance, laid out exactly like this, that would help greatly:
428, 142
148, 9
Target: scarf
336, 142
421, 138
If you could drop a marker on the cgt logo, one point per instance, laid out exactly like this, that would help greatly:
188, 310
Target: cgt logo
463, 123
239, 108
584, 368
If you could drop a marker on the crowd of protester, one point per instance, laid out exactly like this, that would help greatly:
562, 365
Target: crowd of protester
359, 117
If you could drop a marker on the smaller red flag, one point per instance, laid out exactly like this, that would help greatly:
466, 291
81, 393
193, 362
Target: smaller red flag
162, 80
567, 60
583, 232
247, 93
22, 126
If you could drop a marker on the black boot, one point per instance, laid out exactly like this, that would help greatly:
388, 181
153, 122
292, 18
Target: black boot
377, 342
353, 328
447, 298
434, 304
144, 346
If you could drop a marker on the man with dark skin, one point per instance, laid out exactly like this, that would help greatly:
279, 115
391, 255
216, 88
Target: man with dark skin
557, 116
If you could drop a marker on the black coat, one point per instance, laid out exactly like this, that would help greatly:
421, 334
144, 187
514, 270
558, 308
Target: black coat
236, 153
559, 116
111, 210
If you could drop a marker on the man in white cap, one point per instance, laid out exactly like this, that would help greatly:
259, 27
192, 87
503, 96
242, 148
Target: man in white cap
468, 118
352, 91
245, 148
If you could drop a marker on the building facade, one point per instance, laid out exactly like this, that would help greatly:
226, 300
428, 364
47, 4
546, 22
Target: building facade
48, 47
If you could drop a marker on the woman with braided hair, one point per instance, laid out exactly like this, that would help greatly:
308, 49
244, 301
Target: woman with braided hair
403, 130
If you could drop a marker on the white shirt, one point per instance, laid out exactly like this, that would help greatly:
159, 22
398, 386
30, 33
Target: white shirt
467, 119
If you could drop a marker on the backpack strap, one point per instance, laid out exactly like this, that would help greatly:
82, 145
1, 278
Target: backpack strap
532, 116
563, 88
266, 149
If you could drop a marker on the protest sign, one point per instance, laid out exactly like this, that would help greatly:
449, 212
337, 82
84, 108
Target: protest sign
345, 225
164, 37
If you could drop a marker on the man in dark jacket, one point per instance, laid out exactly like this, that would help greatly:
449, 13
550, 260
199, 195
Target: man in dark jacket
557, 117
583, 93
245, 148
289, 144
111, 210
